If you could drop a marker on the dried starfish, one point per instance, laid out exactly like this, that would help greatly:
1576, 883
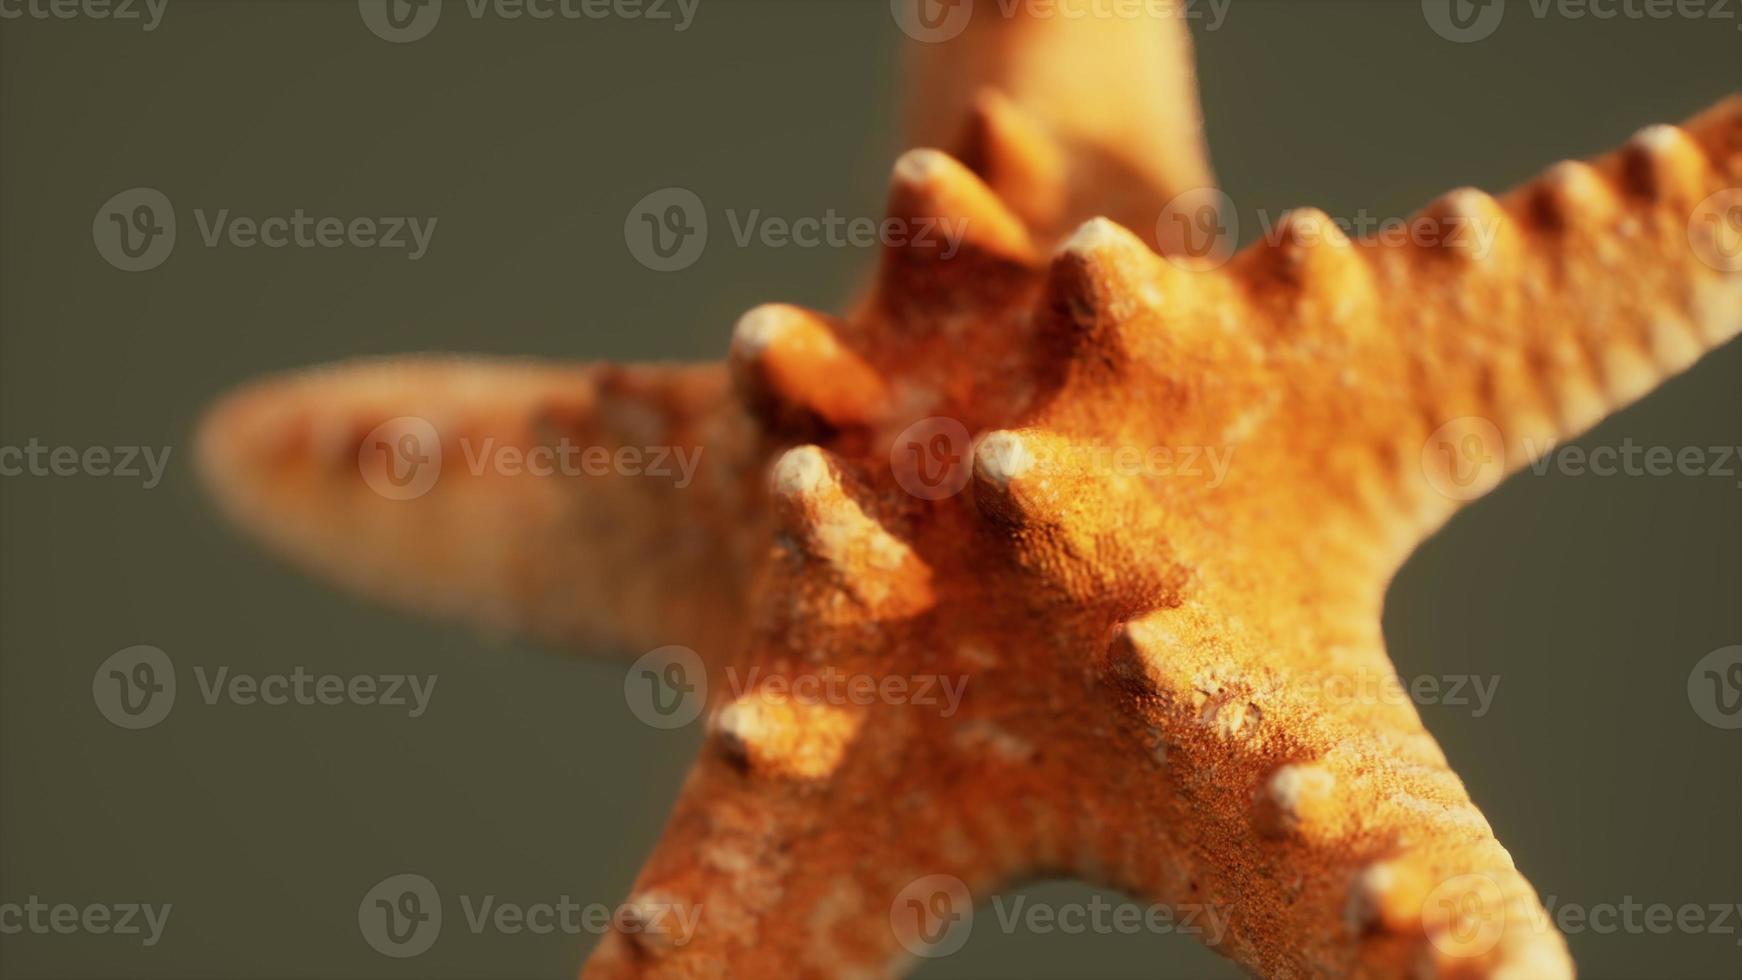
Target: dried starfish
1151, 661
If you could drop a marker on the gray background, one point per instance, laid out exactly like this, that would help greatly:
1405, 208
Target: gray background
529, 778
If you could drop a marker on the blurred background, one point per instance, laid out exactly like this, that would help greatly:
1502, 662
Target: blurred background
528, 778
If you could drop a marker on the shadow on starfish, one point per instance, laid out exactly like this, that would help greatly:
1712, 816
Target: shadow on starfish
1150, 654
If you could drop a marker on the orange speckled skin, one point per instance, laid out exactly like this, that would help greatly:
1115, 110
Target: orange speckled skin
1151, 660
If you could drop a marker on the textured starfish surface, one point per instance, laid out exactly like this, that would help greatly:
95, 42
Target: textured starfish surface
1150, 658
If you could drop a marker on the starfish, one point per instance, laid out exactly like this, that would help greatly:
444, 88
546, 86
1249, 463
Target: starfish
980, 472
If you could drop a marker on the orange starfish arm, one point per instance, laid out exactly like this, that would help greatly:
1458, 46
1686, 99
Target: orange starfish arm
1068, 117
1511, 323
1176, 680
573, 505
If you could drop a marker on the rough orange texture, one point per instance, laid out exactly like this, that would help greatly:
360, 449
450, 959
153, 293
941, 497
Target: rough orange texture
1157, 663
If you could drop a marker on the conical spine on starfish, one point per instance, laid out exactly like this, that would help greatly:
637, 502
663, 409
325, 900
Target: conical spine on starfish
1085, 534
845, 566
792, 369
955, 242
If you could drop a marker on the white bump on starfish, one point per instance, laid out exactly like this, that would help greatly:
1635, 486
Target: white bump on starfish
785, 738
788, 362
1099, 282
825, 523
1372, 902
1001, 457
1471, 223
936, 197
1004, 468
1664, 162
757, 329
1295, 796
1305, 227
1102, 235
802, 472
648, 919
1572, 193
1310, 253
